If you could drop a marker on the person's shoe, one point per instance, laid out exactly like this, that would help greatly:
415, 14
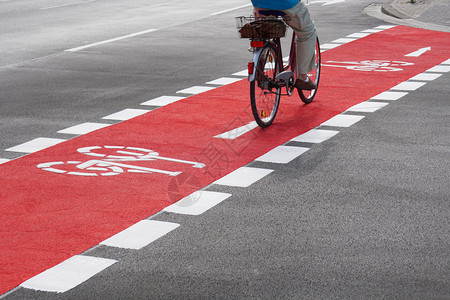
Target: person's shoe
305, 85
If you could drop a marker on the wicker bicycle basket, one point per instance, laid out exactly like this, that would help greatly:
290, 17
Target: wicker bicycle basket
260, 28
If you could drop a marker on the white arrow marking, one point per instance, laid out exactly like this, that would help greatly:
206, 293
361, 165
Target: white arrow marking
418, 52
328, 2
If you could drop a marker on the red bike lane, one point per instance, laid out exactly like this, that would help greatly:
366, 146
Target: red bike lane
50, 210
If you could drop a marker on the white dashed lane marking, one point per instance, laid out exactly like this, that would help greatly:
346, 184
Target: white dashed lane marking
343, 120
197, 203
163, 100
3, 160
35, 145
224, 81
126, 114
315, 136
389, 96
84, 128
282, 154
367, 106
68, 274
196, 90
408, 86
426, 76
140, 234
243, 177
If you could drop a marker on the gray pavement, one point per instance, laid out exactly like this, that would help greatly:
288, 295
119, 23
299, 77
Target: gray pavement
426, 14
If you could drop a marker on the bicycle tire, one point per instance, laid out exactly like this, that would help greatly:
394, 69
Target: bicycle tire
264, 93
307, 96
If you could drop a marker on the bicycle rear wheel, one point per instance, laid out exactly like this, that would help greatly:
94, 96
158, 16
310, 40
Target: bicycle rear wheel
307, 96
264, 90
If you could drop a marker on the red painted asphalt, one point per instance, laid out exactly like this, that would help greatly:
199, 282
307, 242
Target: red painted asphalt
48, 217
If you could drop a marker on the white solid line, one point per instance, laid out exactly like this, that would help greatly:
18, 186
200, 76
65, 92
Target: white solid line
315, 136
231, 9
282, 154
110, 40
197, 203
140, 234
68, 274
237, 132
68, 4
243, 177
35, 145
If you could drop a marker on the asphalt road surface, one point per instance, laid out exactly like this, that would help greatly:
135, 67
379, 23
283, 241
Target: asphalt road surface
363, 214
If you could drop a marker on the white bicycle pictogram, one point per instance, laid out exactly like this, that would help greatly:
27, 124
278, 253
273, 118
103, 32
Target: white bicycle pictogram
370, 65
113, 164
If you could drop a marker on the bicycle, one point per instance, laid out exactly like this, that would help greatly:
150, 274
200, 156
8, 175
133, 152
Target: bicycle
267, 73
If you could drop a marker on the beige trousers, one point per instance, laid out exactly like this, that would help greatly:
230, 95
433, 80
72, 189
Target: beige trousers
305, 30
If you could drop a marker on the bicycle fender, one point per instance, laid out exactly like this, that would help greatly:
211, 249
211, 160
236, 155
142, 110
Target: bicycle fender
255, 57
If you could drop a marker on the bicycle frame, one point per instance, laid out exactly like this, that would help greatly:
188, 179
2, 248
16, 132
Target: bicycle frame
288, 73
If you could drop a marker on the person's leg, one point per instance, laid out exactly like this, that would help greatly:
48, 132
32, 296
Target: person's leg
305, 30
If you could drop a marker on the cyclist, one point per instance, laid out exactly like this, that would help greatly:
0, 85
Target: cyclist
305, 30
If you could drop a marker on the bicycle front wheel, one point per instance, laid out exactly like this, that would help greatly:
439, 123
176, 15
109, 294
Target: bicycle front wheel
264, 90
307, 96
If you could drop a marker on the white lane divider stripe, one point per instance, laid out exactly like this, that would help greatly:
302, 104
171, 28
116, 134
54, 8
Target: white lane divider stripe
35, 145
68, 274
197, 203
343, 40
162, 101
229, 10
343, 120
243, 177
282, 154
389, 96
439, 69
84, 128
329, 46
3, 160
126, 114
224, 81
358, 35
243, 73
408, 86
447, 62
426, 76
367, 106
196, 90
140, 234
111, 40
315, 136
237, 132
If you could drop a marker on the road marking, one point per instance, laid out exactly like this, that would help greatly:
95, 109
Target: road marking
3, 160
426, 76
83, 128
315, 136
237, 132
408, 86
196, 90
35, 145
329, 46
111, 40
229, 10
389, 95
358, 35
343, 120
140, 234
439, 69
126, 114
367, 106
243, 73
68, 4
162, 101
372, 30
197, 203
419, 52
282, 154
68, 274
343, 40
243, 177
447, 62
385, 27
224, 81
